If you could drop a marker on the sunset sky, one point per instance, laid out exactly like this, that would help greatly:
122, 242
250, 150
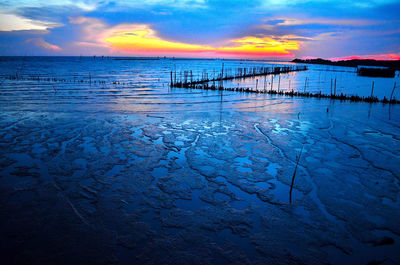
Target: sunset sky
264, 29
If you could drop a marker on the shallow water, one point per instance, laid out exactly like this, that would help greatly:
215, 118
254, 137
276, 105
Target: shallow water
106, 158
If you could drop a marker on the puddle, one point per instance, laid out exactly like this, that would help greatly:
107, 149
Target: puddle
159, 172
272, 169
242, 164
281, 191
263, 185
244, 196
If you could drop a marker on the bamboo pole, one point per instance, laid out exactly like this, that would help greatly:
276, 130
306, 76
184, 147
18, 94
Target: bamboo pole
294, 174
335, 87
372, 90
272, 82
279, 83
305, 85
391, 95
265, 81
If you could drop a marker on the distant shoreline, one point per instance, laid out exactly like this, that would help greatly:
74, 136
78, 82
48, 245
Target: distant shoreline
352, 63
394, 64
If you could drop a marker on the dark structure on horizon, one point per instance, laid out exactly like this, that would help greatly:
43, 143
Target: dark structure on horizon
352, 63
376, 71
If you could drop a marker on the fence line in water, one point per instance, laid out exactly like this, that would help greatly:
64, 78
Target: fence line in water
186, 77
186, 80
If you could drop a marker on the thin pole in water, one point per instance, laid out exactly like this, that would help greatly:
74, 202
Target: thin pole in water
175, 76
394, 87
265, 81
279, 83
335, 87
272, 81
372, 90
305, 85
294, 174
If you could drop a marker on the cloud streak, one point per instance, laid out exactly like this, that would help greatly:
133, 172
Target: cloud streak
92, 5
286, 22
11, 22
355, 3
41, 43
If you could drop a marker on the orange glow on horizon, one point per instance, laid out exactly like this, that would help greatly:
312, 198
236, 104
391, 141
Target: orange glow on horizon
261, 47
142, 39
145, 40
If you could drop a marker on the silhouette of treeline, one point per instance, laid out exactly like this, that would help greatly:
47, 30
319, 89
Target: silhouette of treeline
352, 63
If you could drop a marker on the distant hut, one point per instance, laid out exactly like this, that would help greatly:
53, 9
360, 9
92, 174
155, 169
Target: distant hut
375, 71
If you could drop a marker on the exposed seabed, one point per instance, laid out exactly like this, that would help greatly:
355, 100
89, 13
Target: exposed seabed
145, 174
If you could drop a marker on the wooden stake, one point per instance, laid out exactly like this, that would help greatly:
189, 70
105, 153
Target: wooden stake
294, 175
372, 90
272, 81
279, 83
265, 81
391, 95
335, 87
